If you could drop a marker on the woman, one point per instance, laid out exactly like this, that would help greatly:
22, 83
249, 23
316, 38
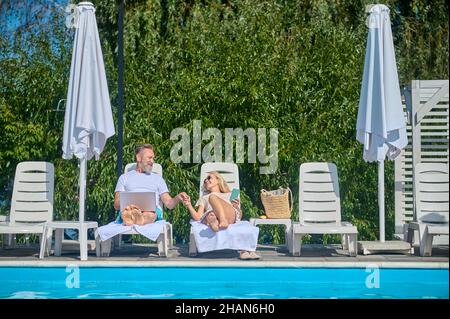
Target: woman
215, 208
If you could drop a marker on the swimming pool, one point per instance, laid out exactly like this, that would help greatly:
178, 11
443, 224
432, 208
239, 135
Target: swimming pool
221, 282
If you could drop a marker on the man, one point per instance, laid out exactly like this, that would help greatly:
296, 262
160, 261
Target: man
144, 180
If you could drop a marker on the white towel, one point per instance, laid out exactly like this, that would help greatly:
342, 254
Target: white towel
239, 236
151, 231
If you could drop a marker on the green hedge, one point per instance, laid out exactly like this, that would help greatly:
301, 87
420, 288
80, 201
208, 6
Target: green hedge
291, 65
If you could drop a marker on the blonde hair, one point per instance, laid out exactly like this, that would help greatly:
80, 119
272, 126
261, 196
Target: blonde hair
223, 186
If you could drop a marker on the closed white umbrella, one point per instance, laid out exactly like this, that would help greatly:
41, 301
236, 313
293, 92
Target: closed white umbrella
381, 124
88, 120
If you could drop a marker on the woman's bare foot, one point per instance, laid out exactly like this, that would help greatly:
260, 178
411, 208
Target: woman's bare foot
249, 255
254, 256
212, 221
223, 224
245, 255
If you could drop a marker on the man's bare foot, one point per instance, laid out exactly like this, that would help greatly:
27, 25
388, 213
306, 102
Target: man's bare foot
137, 216
148, 217
127, 218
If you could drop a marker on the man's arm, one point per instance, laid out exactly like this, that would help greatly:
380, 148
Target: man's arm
171, 202
116, 201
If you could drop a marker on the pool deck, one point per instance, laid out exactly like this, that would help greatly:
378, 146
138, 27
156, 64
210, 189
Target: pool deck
145, 255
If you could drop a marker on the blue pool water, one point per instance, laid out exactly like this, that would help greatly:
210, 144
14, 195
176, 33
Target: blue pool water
178, 282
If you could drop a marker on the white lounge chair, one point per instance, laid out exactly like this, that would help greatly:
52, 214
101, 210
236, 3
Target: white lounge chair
230, 173
431, 193
320, 207
32, 200
165, 239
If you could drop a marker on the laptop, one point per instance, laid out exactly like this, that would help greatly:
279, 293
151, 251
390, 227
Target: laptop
146, 201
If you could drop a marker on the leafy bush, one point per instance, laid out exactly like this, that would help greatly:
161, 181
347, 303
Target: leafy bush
291, 65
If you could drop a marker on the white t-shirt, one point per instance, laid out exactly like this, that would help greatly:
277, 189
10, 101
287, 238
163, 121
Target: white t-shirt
133, 181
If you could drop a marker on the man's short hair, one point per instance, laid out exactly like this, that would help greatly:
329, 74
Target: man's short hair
141, 147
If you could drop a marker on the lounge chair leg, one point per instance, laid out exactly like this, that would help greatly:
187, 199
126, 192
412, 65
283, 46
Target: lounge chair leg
43, 239
12, 240
159, 241
48, 247
287, 237
297, 244
352, 245
82, 237
426, 242
98, 252
59, 235
410, 235
117, 242
192, 246
162, 243
171, 236
105, 247
344, 241
166, 241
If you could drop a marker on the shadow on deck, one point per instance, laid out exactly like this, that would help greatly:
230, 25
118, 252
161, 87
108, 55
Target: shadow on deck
269, 253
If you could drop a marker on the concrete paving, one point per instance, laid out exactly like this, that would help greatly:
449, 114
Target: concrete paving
271, 255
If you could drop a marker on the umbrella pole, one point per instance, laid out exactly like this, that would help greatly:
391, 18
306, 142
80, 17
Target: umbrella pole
120, 98
82, 188
381, 198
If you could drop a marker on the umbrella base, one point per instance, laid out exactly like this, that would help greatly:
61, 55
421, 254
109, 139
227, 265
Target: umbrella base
377, 247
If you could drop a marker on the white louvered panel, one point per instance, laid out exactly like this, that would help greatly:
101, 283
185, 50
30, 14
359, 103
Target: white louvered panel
434, 128
426, 97
427, 141
440, 113
434, 120
441, 147
433, 133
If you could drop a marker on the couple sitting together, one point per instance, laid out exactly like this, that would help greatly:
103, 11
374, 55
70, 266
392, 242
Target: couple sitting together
215, 209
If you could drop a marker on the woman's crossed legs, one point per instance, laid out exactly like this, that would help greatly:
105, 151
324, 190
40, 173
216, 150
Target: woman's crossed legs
222, 215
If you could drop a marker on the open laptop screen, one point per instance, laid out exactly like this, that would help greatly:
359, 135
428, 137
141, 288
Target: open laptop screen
146, 201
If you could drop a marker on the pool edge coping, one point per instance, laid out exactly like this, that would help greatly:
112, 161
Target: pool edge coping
227, 264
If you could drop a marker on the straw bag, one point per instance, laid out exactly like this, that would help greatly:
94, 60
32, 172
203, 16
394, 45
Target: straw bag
276, 203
